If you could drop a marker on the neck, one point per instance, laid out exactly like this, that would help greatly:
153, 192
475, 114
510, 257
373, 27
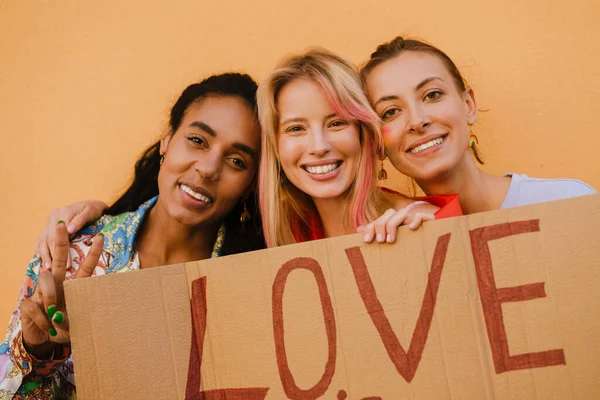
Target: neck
164, 241
331, 213
477, 191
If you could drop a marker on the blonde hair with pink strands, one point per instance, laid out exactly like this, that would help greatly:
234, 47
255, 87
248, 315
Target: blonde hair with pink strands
283, 206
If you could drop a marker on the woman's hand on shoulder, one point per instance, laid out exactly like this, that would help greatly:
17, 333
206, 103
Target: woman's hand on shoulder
75, 217
384, 228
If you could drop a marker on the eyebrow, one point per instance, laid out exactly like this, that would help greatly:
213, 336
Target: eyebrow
202, 126
419, 86
237, 145
246, 149
299, 119
426, 81
386, 98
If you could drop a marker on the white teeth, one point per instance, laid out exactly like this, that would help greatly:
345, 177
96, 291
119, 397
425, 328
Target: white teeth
427, 145
321, 169
198, 196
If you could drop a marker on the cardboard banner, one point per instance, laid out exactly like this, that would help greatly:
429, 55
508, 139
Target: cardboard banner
497, 305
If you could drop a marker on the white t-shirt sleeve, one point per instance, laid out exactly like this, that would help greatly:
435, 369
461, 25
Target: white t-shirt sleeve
524, 190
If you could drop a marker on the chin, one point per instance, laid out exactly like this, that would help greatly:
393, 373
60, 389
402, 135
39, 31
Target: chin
331, 193
184, 217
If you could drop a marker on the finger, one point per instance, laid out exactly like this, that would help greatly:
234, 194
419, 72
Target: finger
369, 233
47, 291
86, 269
50, 234
419, 218
79, 220
43, 251
360, 229
380, 224
33, 312
393, 224
61, 321
61, 252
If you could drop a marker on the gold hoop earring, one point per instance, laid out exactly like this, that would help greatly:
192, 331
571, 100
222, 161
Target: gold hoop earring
382, 175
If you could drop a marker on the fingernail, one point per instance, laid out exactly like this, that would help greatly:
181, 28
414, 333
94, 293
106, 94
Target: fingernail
367, 237
380, 237
71, 228
47, 265
51, 310
388, 238
60, 221
59, 318
100, 234
52, 331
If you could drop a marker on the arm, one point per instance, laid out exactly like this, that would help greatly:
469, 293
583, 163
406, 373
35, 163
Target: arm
75, 216
37, 341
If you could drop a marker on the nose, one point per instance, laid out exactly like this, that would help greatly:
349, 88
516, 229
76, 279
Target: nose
319, 143
208, 166
419, 119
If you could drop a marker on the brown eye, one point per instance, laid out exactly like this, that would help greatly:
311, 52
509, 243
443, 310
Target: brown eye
198, 140
389, 113
338, 123
295, 129
433, 95
238, 162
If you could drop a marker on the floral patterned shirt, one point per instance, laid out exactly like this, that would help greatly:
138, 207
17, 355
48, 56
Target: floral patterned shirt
22, 376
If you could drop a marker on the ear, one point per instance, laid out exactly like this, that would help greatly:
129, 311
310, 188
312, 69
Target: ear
471, 105
164, 142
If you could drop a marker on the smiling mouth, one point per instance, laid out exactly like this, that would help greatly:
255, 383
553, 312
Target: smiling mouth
321, 169
196, 195
428, 145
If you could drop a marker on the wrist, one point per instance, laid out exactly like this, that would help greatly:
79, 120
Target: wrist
414, 204
42, 352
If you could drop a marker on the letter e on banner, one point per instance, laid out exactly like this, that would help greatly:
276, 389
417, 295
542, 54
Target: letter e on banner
493, 297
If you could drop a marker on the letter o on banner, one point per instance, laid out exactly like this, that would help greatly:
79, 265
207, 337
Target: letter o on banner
287, 379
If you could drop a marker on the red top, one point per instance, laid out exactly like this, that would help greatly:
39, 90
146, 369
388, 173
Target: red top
448, 204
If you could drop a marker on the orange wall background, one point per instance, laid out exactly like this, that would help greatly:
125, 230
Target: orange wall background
85, 86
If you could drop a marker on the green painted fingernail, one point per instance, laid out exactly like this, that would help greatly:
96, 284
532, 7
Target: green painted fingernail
51, 311
52, 332
60, 221
100, 234
59, 318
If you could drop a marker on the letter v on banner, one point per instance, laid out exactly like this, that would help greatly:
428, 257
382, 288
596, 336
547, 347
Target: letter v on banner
406, 362
192, 392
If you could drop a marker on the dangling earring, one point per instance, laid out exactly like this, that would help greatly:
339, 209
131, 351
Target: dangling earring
245, 216
382, 175
162, 159
473, 142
